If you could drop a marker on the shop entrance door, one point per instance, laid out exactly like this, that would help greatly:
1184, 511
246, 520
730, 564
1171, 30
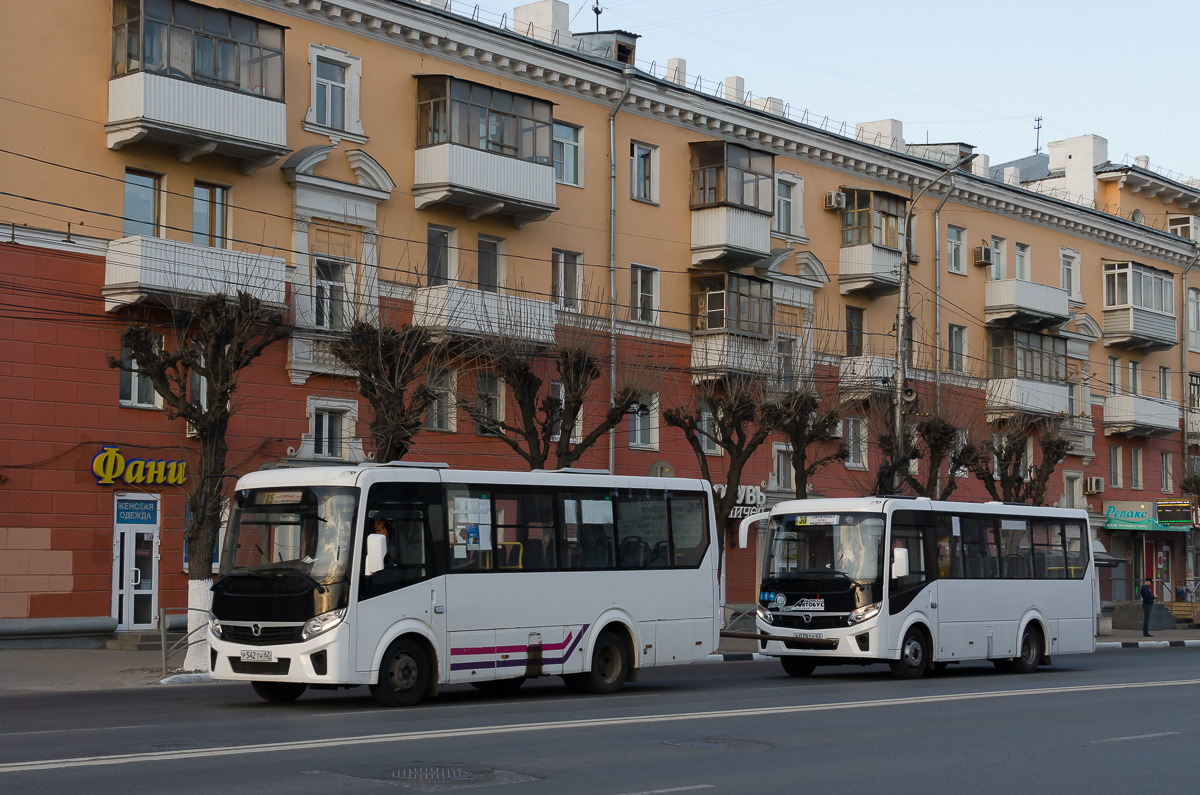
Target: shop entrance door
1164, 568
135, 561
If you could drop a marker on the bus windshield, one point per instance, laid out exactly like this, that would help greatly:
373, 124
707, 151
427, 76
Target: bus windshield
307, 530
817, 546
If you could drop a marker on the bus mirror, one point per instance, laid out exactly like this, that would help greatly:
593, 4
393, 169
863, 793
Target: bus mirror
744, 528
376, 550
899, 563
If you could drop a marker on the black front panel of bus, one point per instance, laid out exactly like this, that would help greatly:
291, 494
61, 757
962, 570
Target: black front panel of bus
818, 595
250, 598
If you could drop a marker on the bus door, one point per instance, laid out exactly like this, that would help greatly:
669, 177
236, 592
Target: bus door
916, 592
412, 517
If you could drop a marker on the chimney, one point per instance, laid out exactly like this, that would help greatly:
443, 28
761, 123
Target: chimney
677, 71
1012, 175
440, 5
979, 166
735, 89
888, 133
616, 45
772, 105
545, 20
1142, 161
1077, 159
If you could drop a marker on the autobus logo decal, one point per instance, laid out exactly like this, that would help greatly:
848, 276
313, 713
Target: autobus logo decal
809, 604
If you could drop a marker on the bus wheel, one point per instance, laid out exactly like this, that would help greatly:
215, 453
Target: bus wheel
914, 655
279, 691
500, 687
1031, 652
798, 666
610, 666
403, 675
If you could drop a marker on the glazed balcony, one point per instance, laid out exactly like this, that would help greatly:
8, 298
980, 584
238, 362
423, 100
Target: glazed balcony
730, 234
1193, 425
1006, 397
718, 354
464, 312
153, 269
861, 377
868, 267
484, 183
195, 118
1134, 415
1021, 303
1136, 328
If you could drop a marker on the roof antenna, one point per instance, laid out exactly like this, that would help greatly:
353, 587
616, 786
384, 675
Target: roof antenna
1037, 125
597, 10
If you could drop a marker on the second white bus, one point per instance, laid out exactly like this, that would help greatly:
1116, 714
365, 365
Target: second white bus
921, 584
407, 577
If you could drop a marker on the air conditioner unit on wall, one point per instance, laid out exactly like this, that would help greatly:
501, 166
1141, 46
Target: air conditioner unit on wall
983, 255
1094, 485
835, 200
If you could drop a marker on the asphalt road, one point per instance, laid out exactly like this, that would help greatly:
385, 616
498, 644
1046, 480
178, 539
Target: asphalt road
1110, 722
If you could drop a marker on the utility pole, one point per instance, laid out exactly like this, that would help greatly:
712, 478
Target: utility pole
597, 10
902, 320
1037, 142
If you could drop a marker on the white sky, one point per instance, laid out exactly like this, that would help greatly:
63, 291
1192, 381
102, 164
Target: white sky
959, 70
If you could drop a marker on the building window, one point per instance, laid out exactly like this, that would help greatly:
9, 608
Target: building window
208, 215
329, 290
856, 442
489, 395
708, 426
789, 205
643, 422
1131, 284
1115, 467
1181, 225
441, 414
559, 395
568, 154
1193, 310
329, 95
1070, 280
1023, 354
439, 256
1021, 261
785, 479
643, 294
1073, 404
958, 349
1166, 478
642, 167
336, 77
732, 302
1135, 468
566, 278
1072, 490
135, 389
954, 255
785, 350
729, 174
998, 265
200, 44
489, 264
961, 438
854, 330
872, 217
1135, 378
141, 204
328, 432
1164, 383
1193, 390
480, 117
1114, 375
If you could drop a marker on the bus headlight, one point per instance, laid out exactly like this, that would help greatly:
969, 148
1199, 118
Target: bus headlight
765, 615
322, 623
863, 613
214, 626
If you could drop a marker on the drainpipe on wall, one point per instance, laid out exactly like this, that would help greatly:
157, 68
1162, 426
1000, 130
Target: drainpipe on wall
937, 310
612, 260
1184, 397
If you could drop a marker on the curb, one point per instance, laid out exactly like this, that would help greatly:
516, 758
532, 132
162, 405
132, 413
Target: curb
1147, 644
742, 657
186, 679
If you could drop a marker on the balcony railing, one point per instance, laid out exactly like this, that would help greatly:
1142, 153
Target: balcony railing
142, 268
484, 183
1135, 415
1010, 396
730, 234
466, 312
718, 354
1137, 328
860, 377
1016, 302
196, 118
875, 269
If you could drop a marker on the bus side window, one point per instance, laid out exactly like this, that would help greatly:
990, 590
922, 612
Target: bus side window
1048, 561
979, 547
410, 516
472, 537
642, 530
689, 531
587, 530
949, 547
913, 530
1077, 550
524, 532
1016, 553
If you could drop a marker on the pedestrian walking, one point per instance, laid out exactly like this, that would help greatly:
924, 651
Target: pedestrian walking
1147, 594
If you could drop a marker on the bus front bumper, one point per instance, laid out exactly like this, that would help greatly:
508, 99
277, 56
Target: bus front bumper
320, 660
861, 641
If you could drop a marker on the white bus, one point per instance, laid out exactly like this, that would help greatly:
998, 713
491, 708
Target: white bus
922, 584
406, 577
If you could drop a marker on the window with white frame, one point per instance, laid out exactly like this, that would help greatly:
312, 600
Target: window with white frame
441, 415
784, 475
789, 205
643, 422
490, 264
1072, 403
1072, 490
999, 248
440, 255
142, 199
329, 431
329, 288
1131, 284
198, 388
1135, 468
1070, 277
209, 208
1193, 311
1135, 378
708, 424
786, 348
962, 437
1114, 375
643, 294
643, 171
954, 253
335, 79
957, 349
1116, 467
1166, 478
1164, 383
856, 442
566, 278
1021, 261
489, 397
559, 394
136, 389
568, 154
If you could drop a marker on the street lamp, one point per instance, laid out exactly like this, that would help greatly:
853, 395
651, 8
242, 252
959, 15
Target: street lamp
902, 320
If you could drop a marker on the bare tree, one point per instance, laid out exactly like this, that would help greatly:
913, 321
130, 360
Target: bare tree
807, 424
196, 375
1003, 464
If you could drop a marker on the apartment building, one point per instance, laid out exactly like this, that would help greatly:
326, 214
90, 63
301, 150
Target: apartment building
398, 160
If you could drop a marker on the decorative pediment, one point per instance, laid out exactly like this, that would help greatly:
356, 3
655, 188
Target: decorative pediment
305, 160
368, 171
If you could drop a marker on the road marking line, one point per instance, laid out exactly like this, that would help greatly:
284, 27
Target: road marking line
672, 789
89, 729
1137, 737
582, 723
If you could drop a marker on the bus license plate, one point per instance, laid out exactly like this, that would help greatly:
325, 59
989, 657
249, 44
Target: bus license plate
258, 655
806, 635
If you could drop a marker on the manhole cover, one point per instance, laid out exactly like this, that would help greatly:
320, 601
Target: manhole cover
699, 744
431, 773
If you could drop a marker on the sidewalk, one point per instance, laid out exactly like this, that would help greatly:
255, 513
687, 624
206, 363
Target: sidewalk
33, 670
